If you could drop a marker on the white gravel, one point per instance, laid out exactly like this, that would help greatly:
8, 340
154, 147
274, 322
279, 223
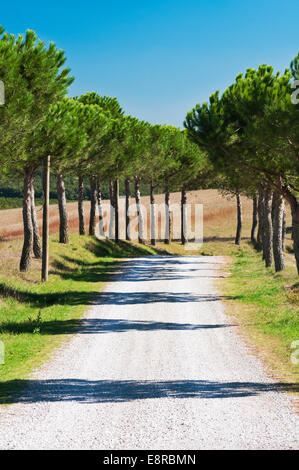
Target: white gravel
156, 365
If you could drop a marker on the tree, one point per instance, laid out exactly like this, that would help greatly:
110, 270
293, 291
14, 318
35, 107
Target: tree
253, 128
155, 164
104, 157
62, 137
271, 133
254, 220
132, 163
186, 161
210, 127
38, 73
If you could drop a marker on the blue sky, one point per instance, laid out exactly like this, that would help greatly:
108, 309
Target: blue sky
160, 58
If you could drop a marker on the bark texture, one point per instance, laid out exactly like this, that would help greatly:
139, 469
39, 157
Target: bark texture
127, 217
277, 221
112, 211
239, 220
46, 226
81, 205
284, 228
295, 224
116, 202
254, 220
268, 229
37, 247
25, 261
93, 205
100, 209
63, 217
260, 208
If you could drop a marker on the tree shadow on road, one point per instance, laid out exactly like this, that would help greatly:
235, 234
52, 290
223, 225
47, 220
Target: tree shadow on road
102, 326
155, 269
111, 298
115, 391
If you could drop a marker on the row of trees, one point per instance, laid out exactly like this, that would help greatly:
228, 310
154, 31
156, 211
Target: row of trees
88, 137
245, 142
251, 137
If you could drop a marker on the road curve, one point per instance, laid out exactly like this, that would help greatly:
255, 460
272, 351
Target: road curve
156, 365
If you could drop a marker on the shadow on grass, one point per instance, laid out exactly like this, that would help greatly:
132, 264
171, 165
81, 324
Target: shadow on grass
121, 249
216, 238
115, 391
101, 326
290, 250
93, 325
86, 272
41, 300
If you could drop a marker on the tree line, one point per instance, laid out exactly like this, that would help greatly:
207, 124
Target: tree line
87, 137
242, 142
250, 135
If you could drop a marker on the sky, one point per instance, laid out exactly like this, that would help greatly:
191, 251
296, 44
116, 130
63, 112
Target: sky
160, 58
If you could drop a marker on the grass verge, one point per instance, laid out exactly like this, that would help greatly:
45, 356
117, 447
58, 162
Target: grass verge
265, 306
37, 317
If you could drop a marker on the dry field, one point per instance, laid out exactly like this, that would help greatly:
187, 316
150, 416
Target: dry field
219, 215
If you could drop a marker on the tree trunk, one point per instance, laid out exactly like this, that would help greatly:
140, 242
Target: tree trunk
167, 216
37, 247
260, 210
93, 205
153, 215
184, 239
112, 212
139, 211
277, 214
46, 188
239, 220
25, 261
81, 205
63, 218
100, 208
268, 229
295, 223
116, 203
127, 217
284, 227
254, 220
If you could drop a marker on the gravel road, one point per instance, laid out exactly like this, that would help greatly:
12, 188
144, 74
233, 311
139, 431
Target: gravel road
156, 365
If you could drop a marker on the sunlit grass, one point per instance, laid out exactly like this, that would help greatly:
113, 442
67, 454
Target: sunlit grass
36, 317
266, 305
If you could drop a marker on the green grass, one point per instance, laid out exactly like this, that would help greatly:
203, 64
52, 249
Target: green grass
265, 305
36, 317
